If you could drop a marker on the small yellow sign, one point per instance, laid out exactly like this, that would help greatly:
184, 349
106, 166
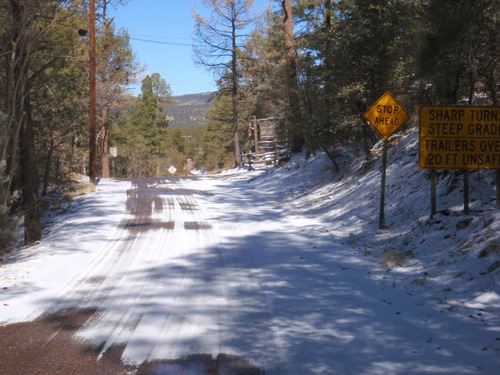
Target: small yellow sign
386, 115
459, 137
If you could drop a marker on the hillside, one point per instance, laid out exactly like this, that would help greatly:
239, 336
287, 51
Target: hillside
189, 110
450, 260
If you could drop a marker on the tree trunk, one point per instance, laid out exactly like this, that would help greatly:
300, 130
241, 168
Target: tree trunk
234, 68
29, 179
75, 162
491, 84
331, 156
329, 63
291, 78
48, 163
16, 67
16, 76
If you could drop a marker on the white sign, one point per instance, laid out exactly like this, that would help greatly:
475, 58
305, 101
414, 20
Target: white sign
172, 170
113, 151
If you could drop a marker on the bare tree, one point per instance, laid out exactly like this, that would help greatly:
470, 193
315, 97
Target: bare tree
217, 40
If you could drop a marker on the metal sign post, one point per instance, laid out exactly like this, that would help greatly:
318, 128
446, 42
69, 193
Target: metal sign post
386, 115
498, 188
433, 193
381, 220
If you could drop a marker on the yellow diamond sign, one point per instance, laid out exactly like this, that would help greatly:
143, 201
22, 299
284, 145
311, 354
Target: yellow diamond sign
386, 115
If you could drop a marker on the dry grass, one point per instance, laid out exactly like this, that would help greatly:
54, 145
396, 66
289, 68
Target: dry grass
78, 189
393, 259
75, 177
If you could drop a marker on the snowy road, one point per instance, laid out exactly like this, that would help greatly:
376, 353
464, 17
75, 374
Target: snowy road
208, 276
170, 285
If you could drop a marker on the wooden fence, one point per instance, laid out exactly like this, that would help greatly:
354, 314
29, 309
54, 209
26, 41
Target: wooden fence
267, 148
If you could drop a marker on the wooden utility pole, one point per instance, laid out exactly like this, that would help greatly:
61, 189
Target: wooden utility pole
92, 134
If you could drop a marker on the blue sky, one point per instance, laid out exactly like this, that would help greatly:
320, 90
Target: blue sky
167, 21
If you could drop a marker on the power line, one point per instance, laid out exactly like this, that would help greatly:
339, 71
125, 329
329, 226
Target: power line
159, 36
159, 42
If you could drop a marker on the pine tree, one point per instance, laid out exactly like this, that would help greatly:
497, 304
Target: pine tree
460, 49
145, 139
32, 44
115, 66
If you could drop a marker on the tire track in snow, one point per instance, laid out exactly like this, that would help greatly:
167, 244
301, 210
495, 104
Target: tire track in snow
251, 332
128, 304
246, 330
187, 330
104, 284
167, 291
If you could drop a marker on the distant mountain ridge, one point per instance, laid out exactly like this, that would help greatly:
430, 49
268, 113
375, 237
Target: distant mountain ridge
189, 110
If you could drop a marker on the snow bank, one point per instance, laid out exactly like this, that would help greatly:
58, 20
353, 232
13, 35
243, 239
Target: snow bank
29, 276
452, 258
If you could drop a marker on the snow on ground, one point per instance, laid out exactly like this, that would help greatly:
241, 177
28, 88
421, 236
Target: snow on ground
451, 252
448, 264
32, 275
309, 284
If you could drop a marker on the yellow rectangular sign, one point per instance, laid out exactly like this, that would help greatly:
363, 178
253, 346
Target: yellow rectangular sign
459, 137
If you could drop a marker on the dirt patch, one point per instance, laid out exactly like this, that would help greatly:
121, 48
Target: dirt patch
146, 224
491, 248
46, 347
199, 192
202, 364
98, 279
196, 225
188, 206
